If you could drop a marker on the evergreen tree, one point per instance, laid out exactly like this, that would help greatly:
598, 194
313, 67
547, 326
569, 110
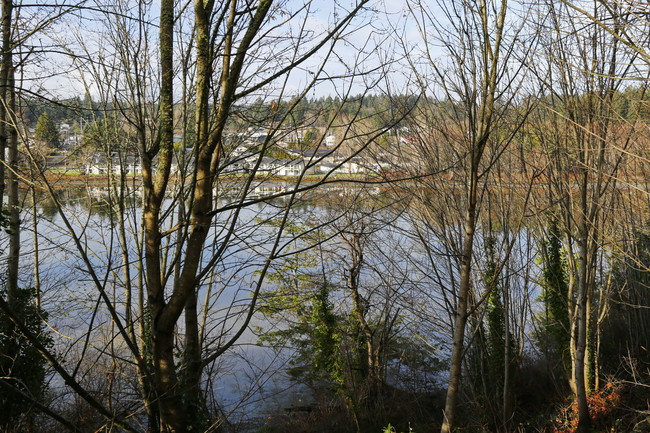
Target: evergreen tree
496, 341
46, 131
556, 330
309, 139
22, 369
495, 351
106, 135
314, 330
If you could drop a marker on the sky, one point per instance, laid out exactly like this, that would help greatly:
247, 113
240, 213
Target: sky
59, 64
377, 50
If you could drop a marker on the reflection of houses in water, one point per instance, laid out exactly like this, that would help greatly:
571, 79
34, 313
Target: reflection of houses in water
233, 192
107, 192
266, 190
343, 189
228, 196
262, 190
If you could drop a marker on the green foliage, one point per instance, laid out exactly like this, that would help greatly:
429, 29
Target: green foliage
304, 299
390, 429
495, 317
21, 365
68, 110
301, 300
107, 135
494, 350
309, 139
632, 104
326, 338
555, 326
276, 152
47, 132
5, 222
378, 110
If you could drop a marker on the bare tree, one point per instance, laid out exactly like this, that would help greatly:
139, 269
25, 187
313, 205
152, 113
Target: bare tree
465, 101
583, 73
178, 276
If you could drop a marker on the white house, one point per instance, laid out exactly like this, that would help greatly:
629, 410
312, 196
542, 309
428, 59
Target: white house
354, 166
330, 140
280, 167
100, 164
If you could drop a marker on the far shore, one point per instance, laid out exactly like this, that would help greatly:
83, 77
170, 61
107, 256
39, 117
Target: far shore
61, 180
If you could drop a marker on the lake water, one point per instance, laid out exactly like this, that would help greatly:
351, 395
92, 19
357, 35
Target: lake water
408, 272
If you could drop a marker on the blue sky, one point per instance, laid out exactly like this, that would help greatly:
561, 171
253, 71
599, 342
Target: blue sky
369, 53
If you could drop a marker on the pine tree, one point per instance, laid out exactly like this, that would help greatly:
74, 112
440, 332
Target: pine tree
46, 131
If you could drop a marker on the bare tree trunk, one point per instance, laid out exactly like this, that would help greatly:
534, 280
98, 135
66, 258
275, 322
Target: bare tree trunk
5, 67
480, 136
169, 398
374, 378
192, 365
35, 243
584, 420
507, 361
13, 202
573, 314
477, 91
170, 403
460, 315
